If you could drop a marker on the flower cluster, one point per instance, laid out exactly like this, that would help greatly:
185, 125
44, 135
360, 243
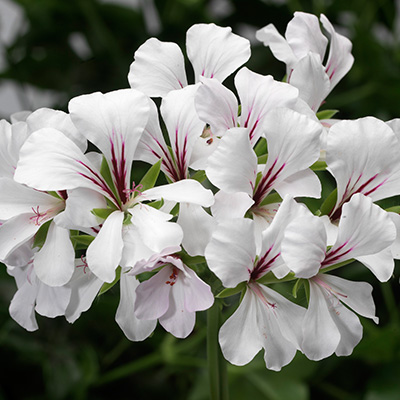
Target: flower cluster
222, 201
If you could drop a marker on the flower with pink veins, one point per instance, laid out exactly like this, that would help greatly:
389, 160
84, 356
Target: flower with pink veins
51, 161
172, 295
214, 52
217, 106
264, 318
363, 156
303, 51
293, 145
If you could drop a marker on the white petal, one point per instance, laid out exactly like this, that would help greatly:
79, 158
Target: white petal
340, 59
79, 204
231, 251
217, 106
153, 296
380, 264
183, 126
258, 95
240, 337
320, 333
303, 183
17, 199
105, 252
184, 191
85, 286
22, 306
158, 68
15, 232
197, 226
304, 35
52, 301
293, 145
108, 122
215, 52
231, 205
54, 262
154, 229
279, 46
357, 295
232, 166
48, 118
396, 244
51, 161
133, 328
310, 78
304, 246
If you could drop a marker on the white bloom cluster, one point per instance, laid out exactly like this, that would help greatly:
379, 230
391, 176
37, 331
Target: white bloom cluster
73, 222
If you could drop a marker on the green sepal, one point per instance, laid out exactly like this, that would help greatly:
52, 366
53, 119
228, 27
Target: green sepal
394, 209
258, 178
102, 213
262, 159
107, 286
199, 176
319, 166
54, 194
307, 289
81, 240
261, 147
336, 266
296, 287
175, 210
326, 114
190, 260
239, 110
156, 204
329, 203
272, 198
271, 278
151, 176
127, 218
231, 291
41, 234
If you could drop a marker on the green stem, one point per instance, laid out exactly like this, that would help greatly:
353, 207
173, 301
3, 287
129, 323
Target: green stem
216, 363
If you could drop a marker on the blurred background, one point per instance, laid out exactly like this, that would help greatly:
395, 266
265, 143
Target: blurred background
53, 50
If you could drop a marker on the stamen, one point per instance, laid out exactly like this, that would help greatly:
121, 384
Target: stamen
135, 189
173, 277
84, 265
37, 216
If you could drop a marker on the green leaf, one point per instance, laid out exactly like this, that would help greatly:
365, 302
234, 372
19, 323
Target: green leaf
272, 198
102, 213
329, 203
395, 209
231, 291
319, 166
150, 178
326, 114
156, 204
107, 286
199, 176
296, 287
41, 235
261, 147
84, 240
189, 260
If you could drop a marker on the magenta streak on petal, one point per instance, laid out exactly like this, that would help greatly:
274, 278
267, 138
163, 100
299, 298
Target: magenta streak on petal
98, 181
266, 183
263, 265
180, 156
165, 157
119, 168
257, 290
253, 128
180, 83
332, 257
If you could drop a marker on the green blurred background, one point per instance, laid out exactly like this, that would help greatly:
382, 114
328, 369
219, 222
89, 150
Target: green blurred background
60, 49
